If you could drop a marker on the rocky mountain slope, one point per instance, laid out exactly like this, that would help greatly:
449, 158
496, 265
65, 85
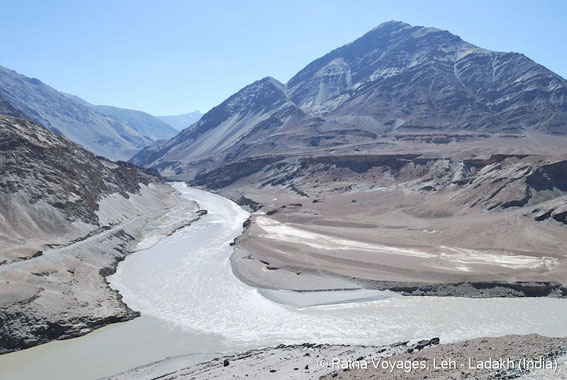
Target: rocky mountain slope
398, 88
182, 121
68, 218
147, 125
107, 131
399, 77
244, 114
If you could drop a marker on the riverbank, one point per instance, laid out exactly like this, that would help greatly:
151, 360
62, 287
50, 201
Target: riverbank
178, 288
363, 240
313, 361
191, 303
63, 293
262, 274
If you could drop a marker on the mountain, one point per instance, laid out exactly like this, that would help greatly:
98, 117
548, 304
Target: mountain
399, 77
397, 88
67, 218
146, 124
50, 185
408, 137
181, 122
240, 116
111, 132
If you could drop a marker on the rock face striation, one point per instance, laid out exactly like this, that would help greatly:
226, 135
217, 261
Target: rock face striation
67, 218
108, 131
398, 88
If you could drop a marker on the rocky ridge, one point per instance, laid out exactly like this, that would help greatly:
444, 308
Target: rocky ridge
42, 170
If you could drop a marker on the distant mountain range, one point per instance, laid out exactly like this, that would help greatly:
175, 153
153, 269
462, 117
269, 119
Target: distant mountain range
181, 122
107, 131
397, 88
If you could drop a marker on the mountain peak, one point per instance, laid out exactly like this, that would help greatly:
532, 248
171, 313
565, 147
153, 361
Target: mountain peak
270, 81
265, 90
392, 45
391, 27
392, 24
391, 32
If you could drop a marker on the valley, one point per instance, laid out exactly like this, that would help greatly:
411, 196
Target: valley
430, 171
402, 197
192, 303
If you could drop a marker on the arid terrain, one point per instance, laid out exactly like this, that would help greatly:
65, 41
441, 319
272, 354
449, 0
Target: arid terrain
426, 359
385, 187
405, 157
404, 219
68, 219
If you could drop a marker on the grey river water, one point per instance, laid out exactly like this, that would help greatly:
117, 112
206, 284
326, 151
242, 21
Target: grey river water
193, 304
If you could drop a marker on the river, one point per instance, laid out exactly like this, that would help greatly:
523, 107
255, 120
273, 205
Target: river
191, 303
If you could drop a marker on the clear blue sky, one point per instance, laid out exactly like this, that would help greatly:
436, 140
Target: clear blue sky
170, 57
